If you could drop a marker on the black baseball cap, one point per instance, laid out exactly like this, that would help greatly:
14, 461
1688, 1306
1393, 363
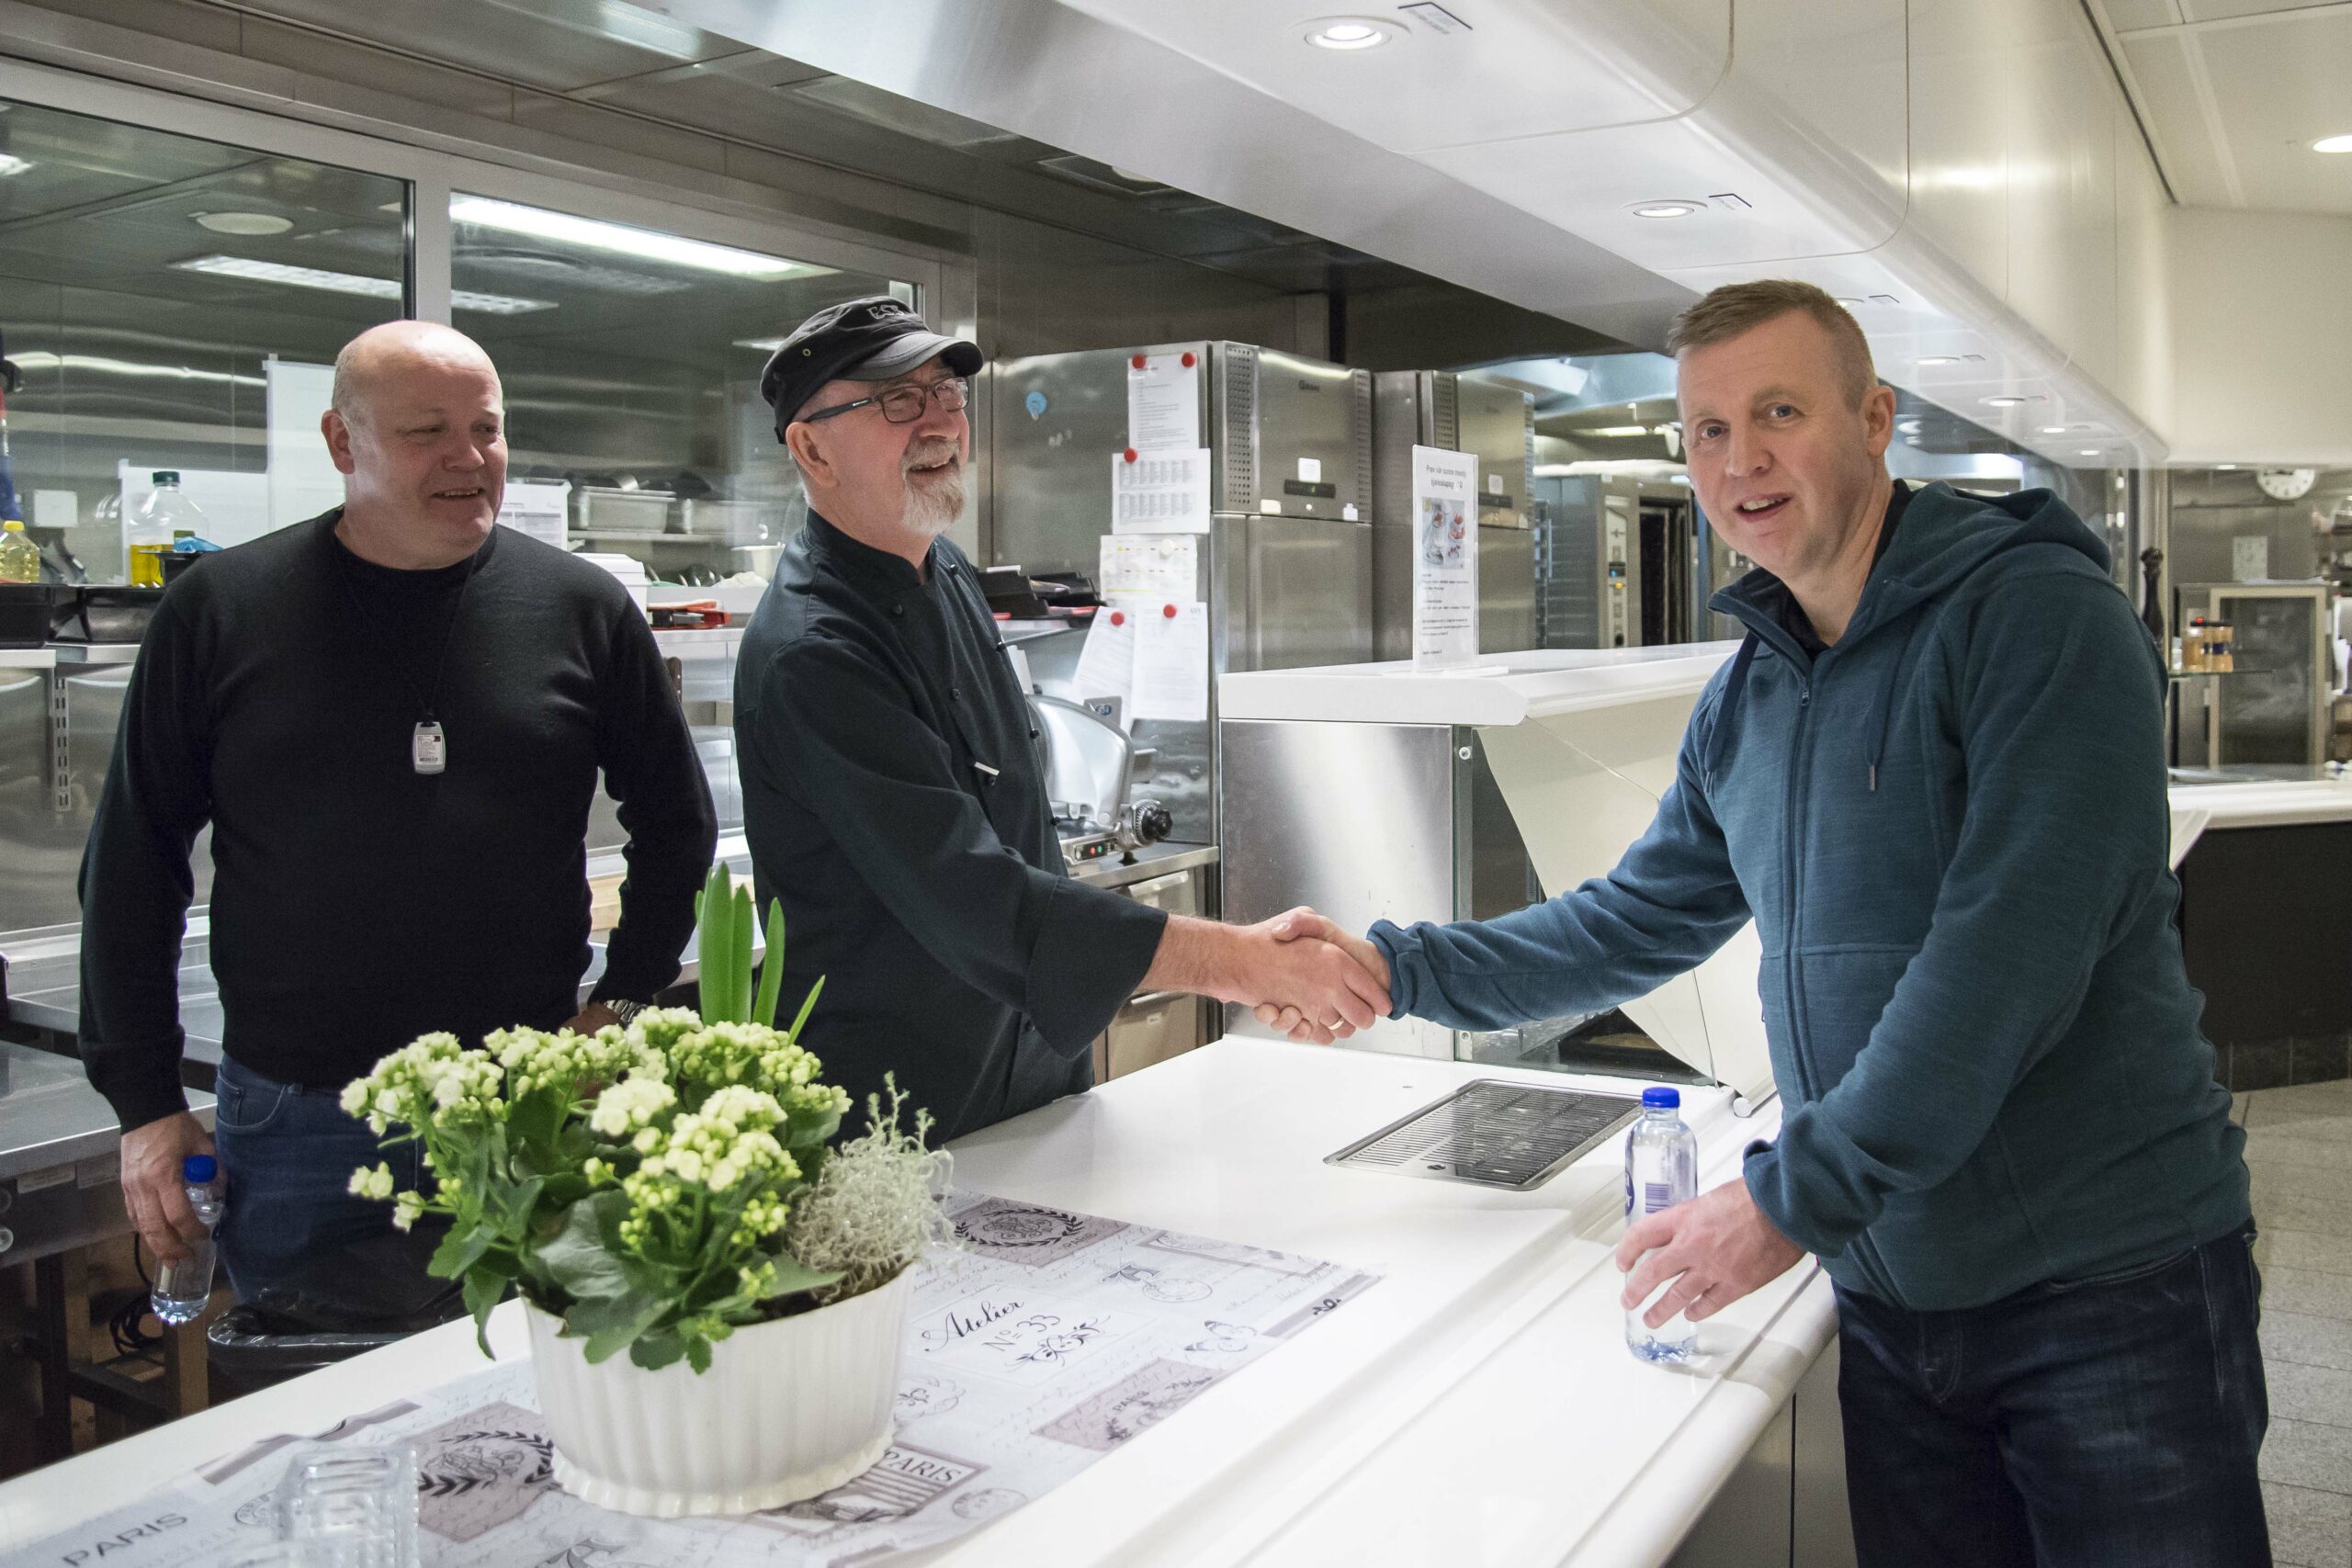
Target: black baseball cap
870, 339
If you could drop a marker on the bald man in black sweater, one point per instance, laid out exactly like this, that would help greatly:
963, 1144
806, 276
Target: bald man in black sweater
393, 717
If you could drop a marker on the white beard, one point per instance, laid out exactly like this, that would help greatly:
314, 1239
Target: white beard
933, 508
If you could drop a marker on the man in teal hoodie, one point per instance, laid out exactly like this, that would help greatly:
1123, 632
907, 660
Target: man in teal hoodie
1933, 775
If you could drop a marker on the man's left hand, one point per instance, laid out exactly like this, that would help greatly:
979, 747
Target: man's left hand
591, 1018
1721, 1245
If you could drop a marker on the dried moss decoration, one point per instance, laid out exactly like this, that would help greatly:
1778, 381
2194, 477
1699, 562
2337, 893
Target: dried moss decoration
876, 1207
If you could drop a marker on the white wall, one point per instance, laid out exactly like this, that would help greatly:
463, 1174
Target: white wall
2261, 328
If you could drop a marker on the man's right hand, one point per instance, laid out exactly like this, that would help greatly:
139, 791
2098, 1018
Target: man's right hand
1305, 922
154, 1190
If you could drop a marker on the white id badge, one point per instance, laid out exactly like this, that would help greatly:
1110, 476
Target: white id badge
428, 748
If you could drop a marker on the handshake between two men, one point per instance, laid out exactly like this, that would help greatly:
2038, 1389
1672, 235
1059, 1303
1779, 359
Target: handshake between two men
1303, 975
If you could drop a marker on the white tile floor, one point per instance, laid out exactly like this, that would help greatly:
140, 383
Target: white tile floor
2299, 1144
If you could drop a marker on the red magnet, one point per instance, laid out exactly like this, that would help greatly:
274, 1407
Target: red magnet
1137, 362
1131, 454
1118, 617
1168, 611
1188, 360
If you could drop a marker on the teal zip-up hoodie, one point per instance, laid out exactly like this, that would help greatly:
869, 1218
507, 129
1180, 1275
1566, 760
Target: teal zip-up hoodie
1950, 829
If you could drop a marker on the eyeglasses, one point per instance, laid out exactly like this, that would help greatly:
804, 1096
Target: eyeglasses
904, 405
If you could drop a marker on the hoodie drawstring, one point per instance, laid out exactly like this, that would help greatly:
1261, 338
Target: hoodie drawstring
1719, 737
1874, 738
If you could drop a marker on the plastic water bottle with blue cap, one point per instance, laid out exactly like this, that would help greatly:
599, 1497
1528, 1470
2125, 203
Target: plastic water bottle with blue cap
1661, 1170
182, 1289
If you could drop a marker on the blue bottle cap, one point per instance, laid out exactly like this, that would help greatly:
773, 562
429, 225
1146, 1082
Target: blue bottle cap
1666, 1097
199, 1168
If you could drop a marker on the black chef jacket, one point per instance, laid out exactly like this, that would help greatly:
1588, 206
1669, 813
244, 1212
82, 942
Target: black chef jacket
894, 797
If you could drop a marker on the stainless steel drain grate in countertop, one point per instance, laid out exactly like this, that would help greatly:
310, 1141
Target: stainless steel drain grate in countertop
1494, 1134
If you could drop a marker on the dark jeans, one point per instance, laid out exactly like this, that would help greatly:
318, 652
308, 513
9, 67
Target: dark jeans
2108, 1421
287, 1153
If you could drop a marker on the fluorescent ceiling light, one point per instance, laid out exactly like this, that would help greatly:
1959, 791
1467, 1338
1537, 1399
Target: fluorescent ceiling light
2005, 400
1908, 426
40, 359
248, 270
2333, 144
12, 166
2053, 430
1346, 33
646, 244
1667, 209
1618, 430
255, 224
1847, 300
1937, 359
764, 345
2090, 451
2225, 464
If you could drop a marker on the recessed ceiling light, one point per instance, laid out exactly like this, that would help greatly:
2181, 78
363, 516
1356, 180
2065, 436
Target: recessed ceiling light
251, 271
252, 224
2053, 430
12, 166
2090, 451
2007, 400
1937, 359
1667, 209
2225, 464
1346, 33
2333, 144
647, 244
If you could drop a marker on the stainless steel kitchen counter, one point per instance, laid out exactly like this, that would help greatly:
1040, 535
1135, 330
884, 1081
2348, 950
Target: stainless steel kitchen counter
52, 1118
1152, 860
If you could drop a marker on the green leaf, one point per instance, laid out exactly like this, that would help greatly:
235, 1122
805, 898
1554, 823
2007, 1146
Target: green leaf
792, 1277
771, 969
484, 1289
533, 1120
578, 1257
710, 939
698, 1354
740, 971
460, 1249
807, 1006
657, 1351
613, 1322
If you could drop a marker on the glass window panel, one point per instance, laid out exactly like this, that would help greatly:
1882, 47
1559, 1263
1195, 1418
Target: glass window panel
147, 281
630, 359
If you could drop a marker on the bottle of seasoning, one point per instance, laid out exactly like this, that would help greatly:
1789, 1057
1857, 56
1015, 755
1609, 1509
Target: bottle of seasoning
2192, 644
2223, 653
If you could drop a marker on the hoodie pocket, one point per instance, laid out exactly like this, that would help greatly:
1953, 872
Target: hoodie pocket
1841, 992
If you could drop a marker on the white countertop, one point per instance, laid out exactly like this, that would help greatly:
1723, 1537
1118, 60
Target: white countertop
2253, 803
1476, 1407
1497, 689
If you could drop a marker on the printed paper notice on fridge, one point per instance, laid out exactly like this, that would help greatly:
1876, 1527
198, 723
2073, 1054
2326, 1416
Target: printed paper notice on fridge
1106, 664
1445, 558
1160, 493
1164, 402
1165, 566
1172, 662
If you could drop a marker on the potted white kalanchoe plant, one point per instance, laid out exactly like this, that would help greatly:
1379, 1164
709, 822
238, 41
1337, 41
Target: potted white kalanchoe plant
673, 1190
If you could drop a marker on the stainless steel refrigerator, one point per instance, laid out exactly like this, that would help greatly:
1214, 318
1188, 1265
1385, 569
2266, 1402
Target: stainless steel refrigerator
1285, 567
1455, 413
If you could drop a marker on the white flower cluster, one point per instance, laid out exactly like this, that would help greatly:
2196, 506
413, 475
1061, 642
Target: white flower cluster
762, 1058
431, 1079
533, 1058
629, 1106
710, 1154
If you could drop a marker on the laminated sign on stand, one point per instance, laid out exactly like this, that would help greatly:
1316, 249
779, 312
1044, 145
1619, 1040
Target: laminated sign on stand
1445, 558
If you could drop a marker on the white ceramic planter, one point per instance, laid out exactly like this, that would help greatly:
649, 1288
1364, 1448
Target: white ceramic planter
788, 1409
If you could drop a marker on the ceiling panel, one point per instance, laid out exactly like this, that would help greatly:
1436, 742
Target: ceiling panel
2279, 86
2224, 10
2128, 14
554, 45
2170, 106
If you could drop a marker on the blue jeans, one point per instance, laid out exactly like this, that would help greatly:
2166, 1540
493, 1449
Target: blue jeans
287, 1153
2111, 1421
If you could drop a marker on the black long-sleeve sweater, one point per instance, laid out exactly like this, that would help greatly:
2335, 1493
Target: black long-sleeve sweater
356, 903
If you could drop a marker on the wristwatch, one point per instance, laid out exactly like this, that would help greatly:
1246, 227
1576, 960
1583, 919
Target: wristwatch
624, 1012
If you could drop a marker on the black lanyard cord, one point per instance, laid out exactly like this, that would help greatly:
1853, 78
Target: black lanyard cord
424, 704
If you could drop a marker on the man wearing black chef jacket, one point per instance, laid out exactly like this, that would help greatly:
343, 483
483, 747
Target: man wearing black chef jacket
392, 717
893, 788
